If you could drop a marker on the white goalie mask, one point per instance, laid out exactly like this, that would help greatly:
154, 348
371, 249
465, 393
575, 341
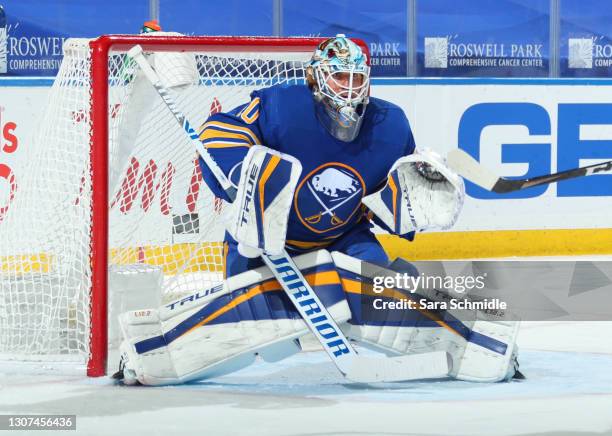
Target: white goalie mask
339, 76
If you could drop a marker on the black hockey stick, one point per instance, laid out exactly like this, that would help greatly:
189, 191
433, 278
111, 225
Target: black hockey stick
469, 168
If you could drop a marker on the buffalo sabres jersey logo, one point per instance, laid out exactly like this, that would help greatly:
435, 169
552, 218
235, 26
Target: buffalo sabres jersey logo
329, 196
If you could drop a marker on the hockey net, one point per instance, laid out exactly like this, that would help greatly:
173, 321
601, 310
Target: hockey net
112, 204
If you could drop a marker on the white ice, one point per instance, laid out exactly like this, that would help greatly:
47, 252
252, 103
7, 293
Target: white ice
568, 391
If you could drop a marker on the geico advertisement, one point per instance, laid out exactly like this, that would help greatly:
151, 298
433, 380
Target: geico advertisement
519, 131
515, 130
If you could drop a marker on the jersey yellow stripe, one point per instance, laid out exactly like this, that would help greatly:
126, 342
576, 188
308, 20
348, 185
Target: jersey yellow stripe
249, 107
211, 133
234, 128
245, 114
226, 145
250, 119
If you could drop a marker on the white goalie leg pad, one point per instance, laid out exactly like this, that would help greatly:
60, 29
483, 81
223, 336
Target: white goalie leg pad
136, 326
469, 361
260, 213
483, 350
188, 340
488, 364
422, 193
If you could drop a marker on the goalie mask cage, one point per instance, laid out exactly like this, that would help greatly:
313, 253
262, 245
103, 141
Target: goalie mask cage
109, 190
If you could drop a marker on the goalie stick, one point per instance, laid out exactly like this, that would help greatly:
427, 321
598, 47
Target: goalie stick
469, 168
352, 365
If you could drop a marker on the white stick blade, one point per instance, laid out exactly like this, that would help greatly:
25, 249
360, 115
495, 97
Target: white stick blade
468, 168
366, 369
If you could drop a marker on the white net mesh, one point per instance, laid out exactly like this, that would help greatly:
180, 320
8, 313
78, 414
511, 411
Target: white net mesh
162, 216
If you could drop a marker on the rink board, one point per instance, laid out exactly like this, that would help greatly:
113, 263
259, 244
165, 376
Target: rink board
518, 127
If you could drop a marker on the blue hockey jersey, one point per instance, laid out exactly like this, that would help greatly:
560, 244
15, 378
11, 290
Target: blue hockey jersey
336, 175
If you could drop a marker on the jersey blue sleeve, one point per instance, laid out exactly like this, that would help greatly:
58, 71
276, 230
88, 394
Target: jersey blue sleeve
409, 137
227, 137
410, 145
410, 148
405, 132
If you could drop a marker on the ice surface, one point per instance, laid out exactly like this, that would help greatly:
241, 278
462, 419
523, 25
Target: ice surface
568, 391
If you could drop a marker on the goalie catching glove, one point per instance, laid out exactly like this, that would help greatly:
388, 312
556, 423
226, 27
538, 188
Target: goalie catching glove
421, 193
260, 212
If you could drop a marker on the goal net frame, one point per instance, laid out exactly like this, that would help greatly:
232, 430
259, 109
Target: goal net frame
99, 113
101, 48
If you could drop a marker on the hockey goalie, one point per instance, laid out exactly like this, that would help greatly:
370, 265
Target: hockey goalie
314, 166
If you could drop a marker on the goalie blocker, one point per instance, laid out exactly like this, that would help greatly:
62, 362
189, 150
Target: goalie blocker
223, 329
260, 212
